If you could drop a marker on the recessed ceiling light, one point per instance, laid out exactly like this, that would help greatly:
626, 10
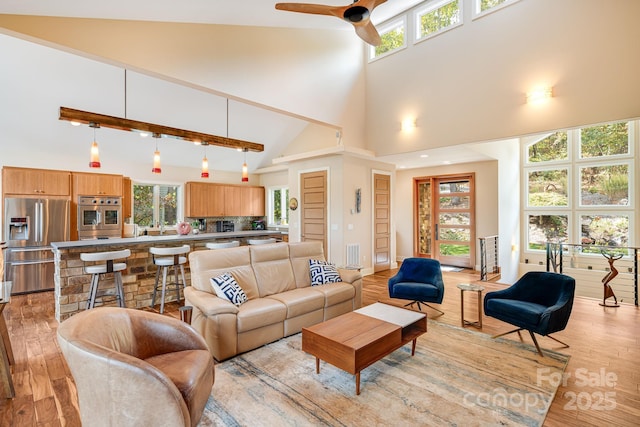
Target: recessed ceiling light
446, 162
424, 156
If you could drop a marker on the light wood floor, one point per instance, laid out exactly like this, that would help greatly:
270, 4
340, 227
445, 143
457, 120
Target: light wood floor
605, 342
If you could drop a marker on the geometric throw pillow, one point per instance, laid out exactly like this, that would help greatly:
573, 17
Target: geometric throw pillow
226, 287
323, 272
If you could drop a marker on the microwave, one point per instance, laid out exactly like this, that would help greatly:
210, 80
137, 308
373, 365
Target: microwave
225, 226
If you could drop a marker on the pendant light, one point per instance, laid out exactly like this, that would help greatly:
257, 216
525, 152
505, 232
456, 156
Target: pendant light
205, 163
245, 172
156, 157
94, 162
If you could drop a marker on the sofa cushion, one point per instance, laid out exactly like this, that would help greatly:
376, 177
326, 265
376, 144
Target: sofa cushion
300, 301
300, 254
335, 293
226, 287
260, 312
322, 272
272, 268
206, 264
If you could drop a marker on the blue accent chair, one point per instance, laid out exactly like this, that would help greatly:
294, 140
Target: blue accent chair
418, 280
539, 302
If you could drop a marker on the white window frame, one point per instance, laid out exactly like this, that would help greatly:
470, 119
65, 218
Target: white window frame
271, 220
156, 200
574, 210
479, 14
388, 27
430, 7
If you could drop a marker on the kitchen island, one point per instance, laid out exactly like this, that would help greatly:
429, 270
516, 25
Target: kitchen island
72, 284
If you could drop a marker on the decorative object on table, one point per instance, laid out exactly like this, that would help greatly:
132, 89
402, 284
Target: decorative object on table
184, 228
293, 203
608, 291
539, 302
420, 281
452, 368
195, 227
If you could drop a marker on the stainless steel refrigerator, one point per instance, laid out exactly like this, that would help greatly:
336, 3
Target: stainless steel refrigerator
30, 226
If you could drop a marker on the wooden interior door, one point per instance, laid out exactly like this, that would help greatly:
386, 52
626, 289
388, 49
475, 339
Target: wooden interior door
444, 215
313, 207
382, 222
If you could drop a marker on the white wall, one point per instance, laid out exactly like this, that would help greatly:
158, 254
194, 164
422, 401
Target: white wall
487, 211
469, 84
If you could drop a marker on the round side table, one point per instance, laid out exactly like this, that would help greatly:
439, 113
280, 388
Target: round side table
468, 287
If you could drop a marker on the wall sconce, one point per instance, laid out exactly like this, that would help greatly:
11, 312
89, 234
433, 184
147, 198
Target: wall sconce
408, 125
94, 161
539, 95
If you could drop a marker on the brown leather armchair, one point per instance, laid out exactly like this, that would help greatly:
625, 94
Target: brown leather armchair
135, 368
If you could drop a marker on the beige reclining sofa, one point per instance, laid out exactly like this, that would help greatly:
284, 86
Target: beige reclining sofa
280, 298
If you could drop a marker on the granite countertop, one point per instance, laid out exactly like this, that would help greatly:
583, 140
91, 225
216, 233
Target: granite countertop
162, 238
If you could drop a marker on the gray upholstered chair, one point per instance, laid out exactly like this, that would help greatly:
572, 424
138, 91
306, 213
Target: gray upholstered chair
134, 368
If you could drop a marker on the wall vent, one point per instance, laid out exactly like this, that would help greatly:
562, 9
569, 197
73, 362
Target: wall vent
353, 255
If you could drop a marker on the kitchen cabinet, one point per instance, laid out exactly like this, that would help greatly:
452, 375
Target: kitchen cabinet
96, 184
35, 182
253, 199
204, 200
127, 199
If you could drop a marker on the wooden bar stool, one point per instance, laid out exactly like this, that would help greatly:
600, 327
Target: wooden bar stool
108, 267
165, 258
222, 245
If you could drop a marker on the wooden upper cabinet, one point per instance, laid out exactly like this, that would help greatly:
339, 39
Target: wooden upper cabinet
97, 184
35, 182
127, 200
204, 200
196, 199
253, 199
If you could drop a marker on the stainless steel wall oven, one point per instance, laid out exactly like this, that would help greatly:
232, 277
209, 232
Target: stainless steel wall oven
99, 217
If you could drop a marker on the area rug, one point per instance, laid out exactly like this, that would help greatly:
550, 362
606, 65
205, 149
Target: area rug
450, 269
457, 377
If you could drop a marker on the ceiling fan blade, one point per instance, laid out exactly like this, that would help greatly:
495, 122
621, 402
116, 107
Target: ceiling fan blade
367, 32
316, 9
369, 4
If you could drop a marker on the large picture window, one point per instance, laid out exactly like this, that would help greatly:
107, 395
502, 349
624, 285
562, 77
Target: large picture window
156, 205
579, 187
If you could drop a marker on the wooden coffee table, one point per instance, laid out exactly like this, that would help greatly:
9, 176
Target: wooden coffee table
355, 340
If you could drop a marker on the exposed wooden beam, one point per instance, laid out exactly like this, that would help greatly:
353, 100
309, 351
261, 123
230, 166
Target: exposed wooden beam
128, 125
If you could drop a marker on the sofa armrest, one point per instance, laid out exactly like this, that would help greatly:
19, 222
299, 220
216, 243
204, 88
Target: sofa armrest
208, 304
349, 276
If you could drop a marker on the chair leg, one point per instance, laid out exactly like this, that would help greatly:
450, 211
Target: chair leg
164, 288
155, 287
535, 341
93, 291
420, 308
119, 288
557, 340
175, 271
507, 333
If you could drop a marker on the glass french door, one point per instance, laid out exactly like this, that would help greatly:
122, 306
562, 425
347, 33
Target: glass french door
444, 219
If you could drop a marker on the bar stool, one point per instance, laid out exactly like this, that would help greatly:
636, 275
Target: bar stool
222, 245
109, 267
261, 241
166, 258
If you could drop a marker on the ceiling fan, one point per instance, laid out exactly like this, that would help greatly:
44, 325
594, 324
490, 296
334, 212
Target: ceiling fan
357, 14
